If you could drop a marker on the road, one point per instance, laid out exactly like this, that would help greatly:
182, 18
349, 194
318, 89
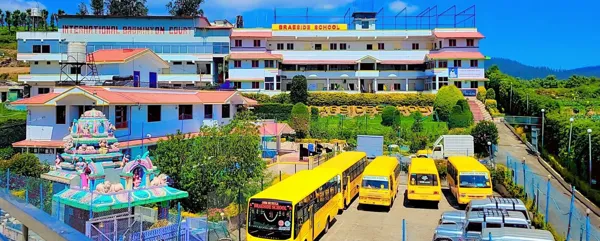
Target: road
380, 224
509, 144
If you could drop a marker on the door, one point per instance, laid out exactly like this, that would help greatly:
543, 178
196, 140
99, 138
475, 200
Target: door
136, 78
3, 98
311, 209
153, 80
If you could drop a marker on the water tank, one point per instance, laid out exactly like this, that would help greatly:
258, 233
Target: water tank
76, 52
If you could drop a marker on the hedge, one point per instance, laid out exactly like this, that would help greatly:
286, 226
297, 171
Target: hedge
445, 100
491, 104
328, 99
273, 111
283, 98
11, 131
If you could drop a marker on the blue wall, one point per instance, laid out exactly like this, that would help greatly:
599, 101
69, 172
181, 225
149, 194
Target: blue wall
166, 47
55, 46
248, 85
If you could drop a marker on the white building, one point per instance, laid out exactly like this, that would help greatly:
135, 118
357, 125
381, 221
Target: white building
365, 59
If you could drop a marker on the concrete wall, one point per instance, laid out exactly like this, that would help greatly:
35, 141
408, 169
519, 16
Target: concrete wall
350, 45
249, 43
26, 46
44, 67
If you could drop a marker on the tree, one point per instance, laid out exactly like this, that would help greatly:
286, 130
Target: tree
389, 116
299, 120
8, 19
314, 113
491, 94
213, 161
44, 18
417, 125
16, 19
1, 18
418, 143
97, 7
52, 18
28, 15
484, 132
445, 99
25, 164
59, 13
185, 7
126, 7
481, 92
82, 9
25, 20
299, 90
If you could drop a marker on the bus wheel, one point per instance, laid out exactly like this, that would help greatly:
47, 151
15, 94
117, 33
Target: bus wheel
327, 226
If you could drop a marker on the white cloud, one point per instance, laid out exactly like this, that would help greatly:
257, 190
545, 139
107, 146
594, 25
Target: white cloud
12, 5
398, 5
247, 5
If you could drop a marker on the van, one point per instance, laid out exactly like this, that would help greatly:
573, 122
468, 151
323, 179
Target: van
380, 182
423, 181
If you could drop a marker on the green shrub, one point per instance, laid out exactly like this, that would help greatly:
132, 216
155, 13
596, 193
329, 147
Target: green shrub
481, 93
299, 90
417, 125
491, 94
261, 98
459, 118
484, 132
6, 153
11, 131
314, 113
396, 99
273, 111
389, 116
445, 100
418, 143
283, 98
25, 164
300, 120
491, 104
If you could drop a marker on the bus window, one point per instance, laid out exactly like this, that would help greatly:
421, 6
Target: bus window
423, 179
509, 225
474, 180
375, 182
270, 219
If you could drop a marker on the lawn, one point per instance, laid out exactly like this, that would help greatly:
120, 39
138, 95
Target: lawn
6, 114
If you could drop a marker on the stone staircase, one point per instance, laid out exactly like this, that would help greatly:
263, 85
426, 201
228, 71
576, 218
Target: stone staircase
478, 109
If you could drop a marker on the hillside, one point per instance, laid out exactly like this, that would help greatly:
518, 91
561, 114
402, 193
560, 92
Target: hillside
523, 71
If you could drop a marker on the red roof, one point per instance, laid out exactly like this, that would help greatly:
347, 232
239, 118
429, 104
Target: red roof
251, 34
39, 143
246, 79
458, 35
274, 129
127, 96
243, 56
123, 144
312, 61
114, 55
456, 55
402, 61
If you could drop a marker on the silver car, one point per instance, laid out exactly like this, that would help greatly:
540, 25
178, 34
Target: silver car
515, 234
509, 204
470, 228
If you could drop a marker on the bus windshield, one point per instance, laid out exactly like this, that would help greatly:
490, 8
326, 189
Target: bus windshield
270, 219
474, 180
375, 182
423, 179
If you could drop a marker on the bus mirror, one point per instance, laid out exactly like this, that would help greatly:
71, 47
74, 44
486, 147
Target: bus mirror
412, 181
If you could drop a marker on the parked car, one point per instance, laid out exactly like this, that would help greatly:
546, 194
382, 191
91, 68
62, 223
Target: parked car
515, 234
509, 204
476, 221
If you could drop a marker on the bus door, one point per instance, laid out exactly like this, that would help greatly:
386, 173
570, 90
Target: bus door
311, 210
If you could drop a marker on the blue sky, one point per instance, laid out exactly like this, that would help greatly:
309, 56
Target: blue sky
557, 34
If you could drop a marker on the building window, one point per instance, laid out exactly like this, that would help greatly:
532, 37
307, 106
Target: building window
470, 42
120, 116
254, 63
269, 83
43, 91
415, 46
36, 49
61, 115
381, 46
365, 24
290, 46
47, 62
208, 112
75, 69
333, 46
255, 85
226, 111
452, 42
269, 64
35, 63
280, 46
457, 63
442, 63
237, 85
237, 63
185, 112
397, 86
237, 43
474, 84
190, 63
434, 45
458, 84
45, 49
440, 44
257, 43
342, 46
369, 47
380, 87
153, 113
177, 63
318, 47
474, 63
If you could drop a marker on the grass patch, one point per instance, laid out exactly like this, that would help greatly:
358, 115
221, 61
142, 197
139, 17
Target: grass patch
7, 114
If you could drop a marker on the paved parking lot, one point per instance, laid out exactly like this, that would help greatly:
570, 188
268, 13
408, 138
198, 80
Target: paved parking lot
381, 224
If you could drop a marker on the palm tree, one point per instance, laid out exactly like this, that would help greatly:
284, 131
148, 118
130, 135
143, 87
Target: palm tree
28, 12
44, 14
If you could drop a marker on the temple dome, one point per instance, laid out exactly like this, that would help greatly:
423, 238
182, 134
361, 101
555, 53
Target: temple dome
93, 113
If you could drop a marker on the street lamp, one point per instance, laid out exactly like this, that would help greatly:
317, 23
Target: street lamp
543, 120
570, 134
490, 148
589, 131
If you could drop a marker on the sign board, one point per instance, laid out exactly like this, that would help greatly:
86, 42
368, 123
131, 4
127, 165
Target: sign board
309, 27
469, 92
452, 72
372, 145
466, 73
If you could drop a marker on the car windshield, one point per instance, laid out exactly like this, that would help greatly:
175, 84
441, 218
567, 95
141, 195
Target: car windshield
474, 180
423, 179
375, 182
270, 219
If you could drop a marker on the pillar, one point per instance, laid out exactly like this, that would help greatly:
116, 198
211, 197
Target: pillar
25, 231
163, 210
327, 83
437, 83
406, 84
375, 85
358, 84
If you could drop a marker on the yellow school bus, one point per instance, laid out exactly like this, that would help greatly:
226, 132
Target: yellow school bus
380, 182
298, 208
468, 179
423, 181
350, 166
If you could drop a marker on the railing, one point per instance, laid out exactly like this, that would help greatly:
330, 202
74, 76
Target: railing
523, 120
